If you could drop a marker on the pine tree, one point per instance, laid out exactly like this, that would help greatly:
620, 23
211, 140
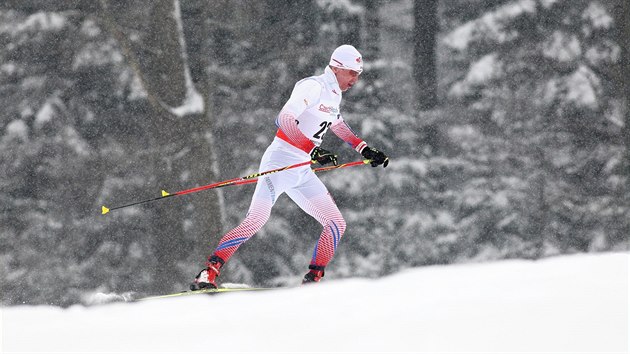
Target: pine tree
539, 72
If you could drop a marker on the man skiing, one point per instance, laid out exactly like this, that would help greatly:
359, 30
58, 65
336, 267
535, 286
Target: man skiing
310, 112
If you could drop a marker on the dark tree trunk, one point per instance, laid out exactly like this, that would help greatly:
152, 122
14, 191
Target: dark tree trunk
625, 62
425, 30
153, 46
373, 29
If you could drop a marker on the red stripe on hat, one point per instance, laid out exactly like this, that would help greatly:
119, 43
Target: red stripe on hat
340, 63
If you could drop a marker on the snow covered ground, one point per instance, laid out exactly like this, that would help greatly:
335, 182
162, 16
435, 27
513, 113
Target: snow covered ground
565, 304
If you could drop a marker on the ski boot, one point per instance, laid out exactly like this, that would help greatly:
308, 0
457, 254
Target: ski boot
206, 279
314, 275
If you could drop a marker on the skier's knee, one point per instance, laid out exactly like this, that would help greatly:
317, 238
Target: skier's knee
339, 225
255, 222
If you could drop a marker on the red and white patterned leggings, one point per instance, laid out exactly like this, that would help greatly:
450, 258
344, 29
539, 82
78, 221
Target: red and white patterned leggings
304, 188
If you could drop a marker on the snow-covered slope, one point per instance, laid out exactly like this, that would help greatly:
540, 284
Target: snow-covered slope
565, 304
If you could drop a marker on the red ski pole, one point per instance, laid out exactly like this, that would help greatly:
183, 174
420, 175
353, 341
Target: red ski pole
229, 182
236, 181
318, 169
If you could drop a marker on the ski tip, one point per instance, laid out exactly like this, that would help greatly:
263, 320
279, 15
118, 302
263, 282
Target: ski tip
104, 210
165, 193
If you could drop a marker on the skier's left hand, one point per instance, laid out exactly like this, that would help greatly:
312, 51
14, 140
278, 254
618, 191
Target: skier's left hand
377, 157
323, 156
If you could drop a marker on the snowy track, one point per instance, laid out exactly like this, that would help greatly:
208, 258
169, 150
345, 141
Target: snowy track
565, 304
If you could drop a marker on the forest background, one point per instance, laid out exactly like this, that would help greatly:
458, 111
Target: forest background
506, 122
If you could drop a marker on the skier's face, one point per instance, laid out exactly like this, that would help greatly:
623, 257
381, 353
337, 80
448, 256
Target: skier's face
346, 78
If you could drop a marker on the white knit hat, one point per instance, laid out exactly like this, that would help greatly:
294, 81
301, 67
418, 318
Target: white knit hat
347, 57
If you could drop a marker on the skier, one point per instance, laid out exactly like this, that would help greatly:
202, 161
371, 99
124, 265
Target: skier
312, 109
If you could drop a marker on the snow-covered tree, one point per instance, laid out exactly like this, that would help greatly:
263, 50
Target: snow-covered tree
541, 74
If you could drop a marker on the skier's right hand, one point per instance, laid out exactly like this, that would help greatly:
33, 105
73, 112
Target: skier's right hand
323, 156
376, 157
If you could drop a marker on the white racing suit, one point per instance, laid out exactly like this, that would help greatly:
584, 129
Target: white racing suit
310, 112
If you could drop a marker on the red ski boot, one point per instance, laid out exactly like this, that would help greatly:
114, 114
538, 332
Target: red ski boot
314, 275
206, 279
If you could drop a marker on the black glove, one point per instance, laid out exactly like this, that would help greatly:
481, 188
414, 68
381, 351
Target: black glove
377, 157
323, 156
